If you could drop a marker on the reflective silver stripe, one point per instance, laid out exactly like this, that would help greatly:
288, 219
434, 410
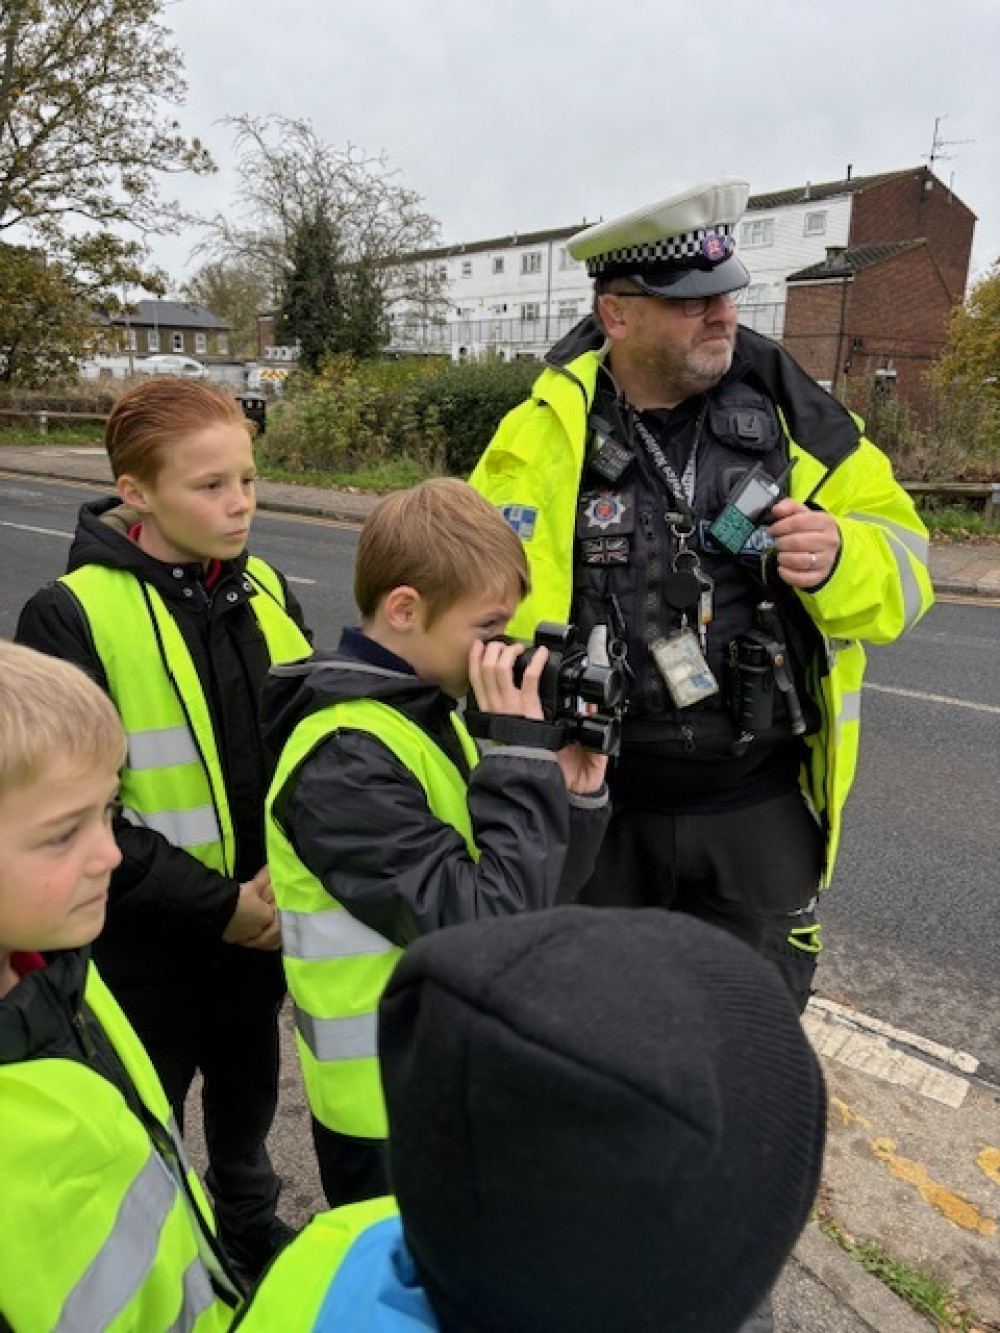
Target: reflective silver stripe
182, 828
850, 707
332, 934
198, 1297
124, 1261
332, 1039
915, 546
161, 748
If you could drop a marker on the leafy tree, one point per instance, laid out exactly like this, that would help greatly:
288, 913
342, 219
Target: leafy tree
289, 180
971, 358
235, 291
45, 318
967, 380
84, 137
312, 308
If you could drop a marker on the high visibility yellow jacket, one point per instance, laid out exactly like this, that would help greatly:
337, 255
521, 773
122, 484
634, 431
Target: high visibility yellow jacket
173, 780
348, 1272
881, 586
104, 1225
337, 967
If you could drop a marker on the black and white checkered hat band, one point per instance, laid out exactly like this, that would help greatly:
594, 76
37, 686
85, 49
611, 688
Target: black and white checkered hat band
689, 246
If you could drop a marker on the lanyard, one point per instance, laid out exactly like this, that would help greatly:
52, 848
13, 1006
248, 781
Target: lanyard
682, 487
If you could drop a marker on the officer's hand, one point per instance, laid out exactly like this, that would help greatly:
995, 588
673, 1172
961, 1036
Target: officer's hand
491, 675
808, 543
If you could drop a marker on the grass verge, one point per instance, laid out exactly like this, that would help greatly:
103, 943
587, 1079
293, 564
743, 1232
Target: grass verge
920, 1289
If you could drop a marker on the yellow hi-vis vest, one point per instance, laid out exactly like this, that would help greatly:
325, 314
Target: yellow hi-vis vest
173, 778
335, 966
531, 471
291, 1295
98, 1229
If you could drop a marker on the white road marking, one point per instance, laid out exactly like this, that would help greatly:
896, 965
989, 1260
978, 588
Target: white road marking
46, 532
873, 1047
933, 698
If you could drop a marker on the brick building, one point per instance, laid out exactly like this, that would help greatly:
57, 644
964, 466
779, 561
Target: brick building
872, 316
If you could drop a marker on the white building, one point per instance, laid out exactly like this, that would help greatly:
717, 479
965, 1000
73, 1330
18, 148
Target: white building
514, 296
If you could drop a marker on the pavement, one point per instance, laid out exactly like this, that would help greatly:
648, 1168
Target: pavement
913, 1153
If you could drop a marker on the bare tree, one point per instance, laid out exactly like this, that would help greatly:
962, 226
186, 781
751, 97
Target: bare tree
289, 178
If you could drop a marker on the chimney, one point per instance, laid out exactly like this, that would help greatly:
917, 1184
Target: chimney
850, 169
807, 192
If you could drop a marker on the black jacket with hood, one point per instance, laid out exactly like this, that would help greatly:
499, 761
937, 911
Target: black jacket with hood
167, 911
359, 820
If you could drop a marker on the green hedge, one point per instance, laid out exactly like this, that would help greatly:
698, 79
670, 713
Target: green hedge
355, 415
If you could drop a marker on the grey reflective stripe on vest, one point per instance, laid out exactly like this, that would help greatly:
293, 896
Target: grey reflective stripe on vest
850, 706
332, 1039
332, 934
124, 1261
916, 546
162, 747
182, 828
198, 1297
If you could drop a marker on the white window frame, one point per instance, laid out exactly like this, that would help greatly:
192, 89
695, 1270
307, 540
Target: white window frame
568, 309
814, 224
466, 268
566, 260
152, 340
757, 233
200, 343
531, 261
497, 264
177, 342
531, 312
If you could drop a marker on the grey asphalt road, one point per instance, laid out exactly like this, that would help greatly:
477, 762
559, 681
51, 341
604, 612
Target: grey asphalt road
911, 922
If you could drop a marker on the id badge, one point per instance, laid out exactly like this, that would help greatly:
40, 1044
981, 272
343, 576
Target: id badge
682, 665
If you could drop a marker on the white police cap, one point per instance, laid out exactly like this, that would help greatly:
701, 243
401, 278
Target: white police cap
681, 246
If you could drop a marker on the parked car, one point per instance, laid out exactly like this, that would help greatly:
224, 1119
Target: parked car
167, 363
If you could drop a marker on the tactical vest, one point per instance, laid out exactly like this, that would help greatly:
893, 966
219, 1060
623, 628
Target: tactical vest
335, 966
131, 1249
173, 779
628, 547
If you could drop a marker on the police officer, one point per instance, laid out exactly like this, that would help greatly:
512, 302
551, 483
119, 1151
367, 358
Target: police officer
701, 507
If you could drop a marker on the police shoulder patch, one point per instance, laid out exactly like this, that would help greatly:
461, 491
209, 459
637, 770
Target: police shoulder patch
522, 518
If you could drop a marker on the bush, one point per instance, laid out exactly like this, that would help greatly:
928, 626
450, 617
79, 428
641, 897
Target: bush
470, 400
357, 415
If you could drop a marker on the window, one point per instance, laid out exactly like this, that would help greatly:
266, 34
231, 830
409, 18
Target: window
758, 233
566, 260
568, 309
443, 272
200, 344
466, 268
177, 342
133, 342
153, 340
530, 311
498, 264
531, 262
815, 224
755, 294
222, 344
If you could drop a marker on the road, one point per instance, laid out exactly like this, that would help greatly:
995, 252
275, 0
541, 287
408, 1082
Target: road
911, 922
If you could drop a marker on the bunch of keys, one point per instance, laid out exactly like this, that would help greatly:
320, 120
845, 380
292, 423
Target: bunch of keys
680, 657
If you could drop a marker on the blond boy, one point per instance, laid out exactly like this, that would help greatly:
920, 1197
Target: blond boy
103, 1225
385, 821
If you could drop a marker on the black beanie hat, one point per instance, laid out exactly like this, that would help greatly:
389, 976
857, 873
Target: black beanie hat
599, 1120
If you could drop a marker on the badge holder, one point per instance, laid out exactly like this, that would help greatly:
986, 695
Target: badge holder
680, 657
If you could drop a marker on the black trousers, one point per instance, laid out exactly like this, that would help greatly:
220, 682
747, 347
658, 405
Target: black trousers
753, 871
237, 1054
350, 1170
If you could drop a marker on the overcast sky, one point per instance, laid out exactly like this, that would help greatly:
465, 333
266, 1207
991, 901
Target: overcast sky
519, 115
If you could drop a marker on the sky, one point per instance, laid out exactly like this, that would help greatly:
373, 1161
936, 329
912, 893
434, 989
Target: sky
521, 115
